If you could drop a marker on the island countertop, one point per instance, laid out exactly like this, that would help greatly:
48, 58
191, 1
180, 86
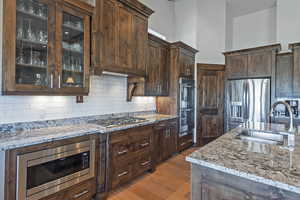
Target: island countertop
263, 163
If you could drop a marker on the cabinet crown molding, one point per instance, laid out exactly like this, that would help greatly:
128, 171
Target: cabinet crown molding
293, 46
183, 45
276, 46
138, 6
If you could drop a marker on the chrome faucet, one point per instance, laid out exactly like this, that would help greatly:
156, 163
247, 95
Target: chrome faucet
291, 129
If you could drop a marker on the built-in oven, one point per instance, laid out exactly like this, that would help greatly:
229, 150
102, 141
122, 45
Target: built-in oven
42, 173
186, 109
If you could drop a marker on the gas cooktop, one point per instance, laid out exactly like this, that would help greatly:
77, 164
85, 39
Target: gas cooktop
117, 122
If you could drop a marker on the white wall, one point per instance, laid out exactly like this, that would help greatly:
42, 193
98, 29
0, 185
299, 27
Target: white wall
229, 27
186, 21
107, 95
162, 20
255, 29
211, 31
288, 23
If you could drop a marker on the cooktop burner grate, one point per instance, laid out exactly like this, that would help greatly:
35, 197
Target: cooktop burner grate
116, 122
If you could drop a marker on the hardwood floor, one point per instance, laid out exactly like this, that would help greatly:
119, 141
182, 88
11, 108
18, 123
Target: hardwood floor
170, 181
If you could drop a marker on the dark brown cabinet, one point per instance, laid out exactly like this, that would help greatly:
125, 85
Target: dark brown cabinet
165, 140
211, 86
182, 64
47, 47
237, 66
209, 184
251, 63
156, 82
129, 154
284, 75
296, 69
120, 37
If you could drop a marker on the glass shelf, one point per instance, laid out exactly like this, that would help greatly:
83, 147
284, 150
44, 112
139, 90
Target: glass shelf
73, 51
72, 28
27, 14
32, 66
73, 56
32, 43
71, 71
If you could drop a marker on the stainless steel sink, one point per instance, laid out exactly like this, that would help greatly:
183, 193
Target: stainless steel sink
273, 138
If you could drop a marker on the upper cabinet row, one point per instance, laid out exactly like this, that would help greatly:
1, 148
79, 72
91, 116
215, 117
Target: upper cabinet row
120, 32
288, 73
254, 63
46, 47
261, 62
51, 46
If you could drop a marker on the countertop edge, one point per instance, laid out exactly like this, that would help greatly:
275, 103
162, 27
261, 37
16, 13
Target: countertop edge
251, 177
51, 138
44, 139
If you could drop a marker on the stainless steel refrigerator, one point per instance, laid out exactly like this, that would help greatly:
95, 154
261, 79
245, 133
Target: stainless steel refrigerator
247, 100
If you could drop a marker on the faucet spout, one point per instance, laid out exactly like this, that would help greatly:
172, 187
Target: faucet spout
289, 108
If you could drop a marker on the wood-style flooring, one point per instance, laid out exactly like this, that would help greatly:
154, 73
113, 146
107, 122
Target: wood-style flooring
170, 181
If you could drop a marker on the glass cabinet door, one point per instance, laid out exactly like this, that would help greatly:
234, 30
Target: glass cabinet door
32, 44
75, 45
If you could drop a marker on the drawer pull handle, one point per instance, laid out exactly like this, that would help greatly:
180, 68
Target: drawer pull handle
145, 144
182, 144
145, 163
123, 174
122, 152
81, 194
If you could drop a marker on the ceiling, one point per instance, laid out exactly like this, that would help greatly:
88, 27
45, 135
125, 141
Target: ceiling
243, 7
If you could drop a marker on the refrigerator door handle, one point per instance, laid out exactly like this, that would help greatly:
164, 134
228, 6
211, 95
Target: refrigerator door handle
244, 101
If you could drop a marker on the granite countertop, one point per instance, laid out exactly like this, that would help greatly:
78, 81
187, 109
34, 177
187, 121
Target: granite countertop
22, 138
263, 163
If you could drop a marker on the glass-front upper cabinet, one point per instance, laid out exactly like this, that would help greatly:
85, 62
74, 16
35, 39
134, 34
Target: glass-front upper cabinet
46, 47
74, 42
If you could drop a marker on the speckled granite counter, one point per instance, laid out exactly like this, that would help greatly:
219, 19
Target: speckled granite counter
263, 163
47, 131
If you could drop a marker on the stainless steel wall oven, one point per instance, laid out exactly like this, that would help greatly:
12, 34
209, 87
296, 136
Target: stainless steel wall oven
42, 173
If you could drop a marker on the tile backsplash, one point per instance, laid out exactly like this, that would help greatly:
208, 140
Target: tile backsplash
107, 95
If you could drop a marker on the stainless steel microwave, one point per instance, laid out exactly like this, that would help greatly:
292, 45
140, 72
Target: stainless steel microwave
42, 173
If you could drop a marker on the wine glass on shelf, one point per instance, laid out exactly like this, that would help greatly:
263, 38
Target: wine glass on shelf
30, 8
21, 5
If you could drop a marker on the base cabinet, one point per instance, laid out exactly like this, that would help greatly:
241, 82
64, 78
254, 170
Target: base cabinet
165, 141
129, 154
209, 184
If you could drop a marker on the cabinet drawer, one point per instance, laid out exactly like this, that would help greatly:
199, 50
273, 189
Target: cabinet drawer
83, 191
140, 133
121, 174
168, 123
185, 142
142, 165
120, 150
143, 145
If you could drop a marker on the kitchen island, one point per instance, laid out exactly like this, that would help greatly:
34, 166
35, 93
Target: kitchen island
234, 169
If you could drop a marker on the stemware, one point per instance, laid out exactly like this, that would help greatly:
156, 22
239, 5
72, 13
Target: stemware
30, 8
21, 57
21, 5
